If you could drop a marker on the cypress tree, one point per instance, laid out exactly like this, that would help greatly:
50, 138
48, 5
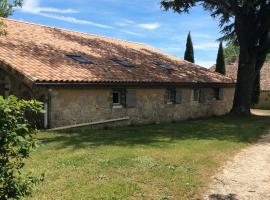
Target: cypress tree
220, 64
189, 53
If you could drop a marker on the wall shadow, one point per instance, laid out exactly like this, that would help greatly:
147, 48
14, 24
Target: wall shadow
227, 128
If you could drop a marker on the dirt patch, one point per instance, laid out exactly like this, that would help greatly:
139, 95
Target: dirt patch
246, 177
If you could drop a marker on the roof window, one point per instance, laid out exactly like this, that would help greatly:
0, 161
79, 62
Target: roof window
163, 65
80, 59
122, 62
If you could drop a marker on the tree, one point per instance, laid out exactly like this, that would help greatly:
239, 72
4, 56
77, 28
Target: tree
256, 90
16, 142
246, 22
6, 9
189, 53
220, 64
231, 53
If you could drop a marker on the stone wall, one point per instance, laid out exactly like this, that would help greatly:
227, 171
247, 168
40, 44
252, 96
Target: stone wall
13, 85
264, 100
75, 106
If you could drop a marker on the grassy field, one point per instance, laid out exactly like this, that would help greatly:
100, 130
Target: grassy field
165, 161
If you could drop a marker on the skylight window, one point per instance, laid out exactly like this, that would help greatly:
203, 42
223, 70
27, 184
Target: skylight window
80, 59
163, 65
122, 62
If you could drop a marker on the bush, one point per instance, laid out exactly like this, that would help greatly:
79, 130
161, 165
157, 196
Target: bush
16, 143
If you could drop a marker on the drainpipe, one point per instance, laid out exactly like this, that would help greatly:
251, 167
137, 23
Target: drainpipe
47, 108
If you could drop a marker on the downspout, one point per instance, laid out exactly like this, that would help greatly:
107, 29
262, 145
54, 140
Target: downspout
47, 108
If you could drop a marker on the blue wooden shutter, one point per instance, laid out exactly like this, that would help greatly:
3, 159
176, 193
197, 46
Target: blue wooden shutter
203, 95
131, 99
178, 97
123, 97
221, 93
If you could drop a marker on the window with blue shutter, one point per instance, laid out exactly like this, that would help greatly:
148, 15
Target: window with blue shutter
218, 93
131, 99
196, 94
178, 97
170, 96
203, 95
118, 97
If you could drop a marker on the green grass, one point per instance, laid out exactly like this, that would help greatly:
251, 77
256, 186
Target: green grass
165, 161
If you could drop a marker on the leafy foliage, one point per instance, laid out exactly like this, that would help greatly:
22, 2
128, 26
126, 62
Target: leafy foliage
231, 53
6, 9
189, 53
220, 65
16, 142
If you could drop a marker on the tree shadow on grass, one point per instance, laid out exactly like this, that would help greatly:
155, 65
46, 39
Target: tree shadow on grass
222, 197
227, 128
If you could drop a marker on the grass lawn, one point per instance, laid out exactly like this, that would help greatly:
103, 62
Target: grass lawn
165, 161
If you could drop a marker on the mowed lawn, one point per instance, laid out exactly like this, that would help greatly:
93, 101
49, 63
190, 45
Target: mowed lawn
165, 161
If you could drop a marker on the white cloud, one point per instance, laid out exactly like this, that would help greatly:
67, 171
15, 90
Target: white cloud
33, 6
126, 22
132, 33
149, 26
74, 20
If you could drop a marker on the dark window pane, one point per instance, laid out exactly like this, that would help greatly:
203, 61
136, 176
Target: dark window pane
171, 95
116, 97
122, 62
80, 59
163, 65
216, 93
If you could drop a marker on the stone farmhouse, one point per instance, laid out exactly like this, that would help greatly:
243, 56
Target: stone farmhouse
83, 78
264, 99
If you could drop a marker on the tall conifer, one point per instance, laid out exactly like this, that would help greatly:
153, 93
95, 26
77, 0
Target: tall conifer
189, 53
220, 65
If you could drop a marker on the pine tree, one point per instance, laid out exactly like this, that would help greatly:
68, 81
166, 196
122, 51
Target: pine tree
189, 53
220, 65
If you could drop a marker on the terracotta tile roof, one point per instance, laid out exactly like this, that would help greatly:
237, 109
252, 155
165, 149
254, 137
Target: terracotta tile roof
39, 53
231, 71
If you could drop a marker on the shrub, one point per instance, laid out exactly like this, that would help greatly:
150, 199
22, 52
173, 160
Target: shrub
16, 143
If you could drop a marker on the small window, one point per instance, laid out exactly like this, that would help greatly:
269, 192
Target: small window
116, 97
163, 65
122, 62
196, 94
171, 96
216, 93
80, 59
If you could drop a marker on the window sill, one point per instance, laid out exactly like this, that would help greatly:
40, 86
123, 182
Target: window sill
117, 106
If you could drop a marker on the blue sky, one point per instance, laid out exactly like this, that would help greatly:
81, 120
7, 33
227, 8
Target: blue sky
137, 20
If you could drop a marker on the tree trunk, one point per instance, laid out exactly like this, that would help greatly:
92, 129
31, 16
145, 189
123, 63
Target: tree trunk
245, 80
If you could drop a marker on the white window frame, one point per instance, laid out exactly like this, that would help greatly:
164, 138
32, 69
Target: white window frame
119, 104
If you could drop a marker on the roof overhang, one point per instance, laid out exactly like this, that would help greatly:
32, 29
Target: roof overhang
130, 84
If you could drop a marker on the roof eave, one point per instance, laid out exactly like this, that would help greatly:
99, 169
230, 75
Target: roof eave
131, 84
